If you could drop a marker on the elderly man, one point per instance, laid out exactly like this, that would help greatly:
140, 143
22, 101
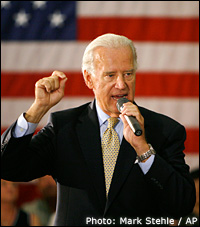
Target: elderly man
105, 173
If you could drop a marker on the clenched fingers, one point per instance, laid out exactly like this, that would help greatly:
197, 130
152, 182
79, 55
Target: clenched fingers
130, 109
52, 82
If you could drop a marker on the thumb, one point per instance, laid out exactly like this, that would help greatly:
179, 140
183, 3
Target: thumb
62, 83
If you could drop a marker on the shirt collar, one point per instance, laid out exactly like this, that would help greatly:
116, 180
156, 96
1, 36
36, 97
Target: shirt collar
103, 117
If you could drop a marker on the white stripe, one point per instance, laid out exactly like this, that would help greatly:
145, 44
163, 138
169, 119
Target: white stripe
67, 56
185, 111
11, 108
41, 56
192, 160
169, 57
138, 8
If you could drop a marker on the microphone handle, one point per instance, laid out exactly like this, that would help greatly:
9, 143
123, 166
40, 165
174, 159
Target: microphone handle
133, 123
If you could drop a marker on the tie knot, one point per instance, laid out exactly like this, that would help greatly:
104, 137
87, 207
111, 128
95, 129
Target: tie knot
112, 121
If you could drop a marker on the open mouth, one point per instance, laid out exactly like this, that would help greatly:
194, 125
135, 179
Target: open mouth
116, 97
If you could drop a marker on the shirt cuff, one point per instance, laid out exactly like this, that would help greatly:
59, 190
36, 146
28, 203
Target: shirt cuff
23, 127
145, 166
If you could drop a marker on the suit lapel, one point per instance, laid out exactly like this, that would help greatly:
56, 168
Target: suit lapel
89, 137
125, 162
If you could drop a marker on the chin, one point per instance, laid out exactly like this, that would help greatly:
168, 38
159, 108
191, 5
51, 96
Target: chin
115, 111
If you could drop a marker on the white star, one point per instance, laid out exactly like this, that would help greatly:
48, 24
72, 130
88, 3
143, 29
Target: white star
5, 4
57, 19
39, 4
21, 18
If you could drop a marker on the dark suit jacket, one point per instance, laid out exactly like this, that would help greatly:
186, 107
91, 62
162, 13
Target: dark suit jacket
69, 149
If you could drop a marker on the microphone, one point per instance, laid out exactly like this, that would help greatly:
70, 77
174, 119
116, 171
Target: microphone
132, 121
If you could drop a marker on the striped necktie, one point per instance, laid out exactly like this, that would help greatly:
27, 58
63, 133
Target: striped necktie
110, 148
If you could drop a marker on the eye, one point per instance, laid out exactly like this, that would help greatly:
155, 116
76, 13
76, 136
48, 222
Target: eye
110, 77
128, 74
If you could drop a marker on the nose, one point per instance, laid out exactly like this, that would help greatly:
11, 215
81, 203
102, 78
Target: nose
120, 82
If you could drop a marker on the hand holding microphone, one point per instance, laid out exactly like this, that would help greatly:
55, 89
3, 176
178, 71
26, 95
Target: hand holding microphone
132, 121
136, 140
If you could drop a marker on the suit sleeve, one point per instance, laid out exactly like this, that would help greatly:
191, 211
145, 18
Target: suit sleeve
169, 176
28, 157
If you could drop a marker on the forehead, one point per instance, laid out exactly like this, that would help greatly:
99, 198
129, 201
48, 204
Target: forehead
106, 55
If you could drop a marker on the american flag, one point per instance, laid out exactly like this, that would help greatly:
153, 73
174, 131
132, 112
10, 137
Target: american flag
39, 37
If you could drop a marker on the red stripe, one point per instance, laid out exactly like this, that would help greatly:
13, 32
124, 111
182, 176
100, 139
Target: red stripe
147, 84
191, 143
140, 29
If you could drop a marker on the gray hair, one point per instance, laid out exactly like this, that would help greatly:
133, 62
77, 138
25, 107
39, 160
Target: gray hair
107, 40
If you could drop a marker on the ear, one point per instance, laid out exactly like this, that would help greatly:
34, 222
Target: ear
88, 79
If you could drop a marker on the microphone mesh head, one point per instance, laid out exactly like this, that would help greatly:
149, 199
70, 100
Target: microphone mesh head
120, 103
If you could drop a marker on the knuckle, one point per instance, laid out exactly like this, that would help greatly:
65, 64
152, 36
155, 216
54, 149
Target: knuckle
58, 74
38, 82
55, 73
46, 81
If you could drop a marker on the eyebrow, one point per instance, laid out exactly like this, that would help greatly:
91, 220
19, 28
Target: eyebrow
131, 70
109, 72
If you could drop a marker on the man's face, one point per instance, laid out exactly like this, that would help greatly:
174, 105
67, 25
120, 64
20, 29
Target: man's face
113, 78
